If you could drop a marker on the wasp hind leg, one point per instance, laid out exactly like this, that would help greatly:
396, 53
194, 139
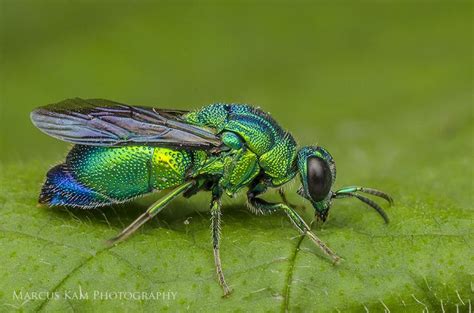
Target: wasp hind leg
216, 231
154, 209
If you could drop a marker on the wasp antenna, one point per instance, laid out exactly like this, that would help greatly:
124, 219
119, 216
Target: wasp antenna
377, 193
370, 203
370, 191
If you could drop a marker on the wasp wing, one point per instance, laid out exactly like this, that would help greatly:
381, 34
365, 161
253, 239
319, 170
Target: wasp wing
99, 122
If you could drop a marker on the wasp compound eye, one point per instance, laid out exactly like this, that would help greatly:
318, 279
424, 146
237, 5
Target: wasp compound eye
319, 178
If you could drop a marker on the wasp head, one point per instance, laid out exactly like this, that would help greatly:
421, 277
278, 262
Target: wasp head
318, 173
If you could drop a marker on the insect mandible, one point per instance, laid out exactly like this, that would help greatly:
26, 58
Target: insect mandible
122, 152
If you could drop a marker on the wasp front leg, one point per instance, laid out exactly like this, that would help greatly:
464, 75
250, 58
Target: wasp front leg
216, 231
262, 206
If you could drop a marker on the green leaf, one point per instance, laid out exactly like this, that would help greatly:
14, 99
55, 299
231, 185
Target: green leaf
422, 260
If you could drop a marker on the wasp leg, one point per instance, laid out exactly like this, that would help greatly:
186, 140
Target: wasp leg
282, 194
154, 209
261, 205
216, 231
283, 197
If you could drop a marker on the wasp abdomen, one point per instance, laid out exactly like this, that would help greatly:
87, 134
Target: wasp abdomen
94, 176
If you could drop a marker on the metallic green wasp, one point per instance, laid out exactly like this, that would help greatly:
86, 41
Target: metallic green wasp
122, 152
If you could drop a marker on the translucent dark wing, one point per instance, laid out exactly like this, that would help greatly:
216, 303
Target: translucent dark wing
99, 122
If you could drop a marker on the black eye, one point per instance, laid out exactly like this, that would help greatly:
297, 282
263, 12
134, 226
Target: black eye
319, 178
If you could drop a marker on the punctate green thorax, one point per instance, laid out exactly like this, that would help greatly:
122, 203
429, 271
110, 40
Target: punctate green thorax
274, 148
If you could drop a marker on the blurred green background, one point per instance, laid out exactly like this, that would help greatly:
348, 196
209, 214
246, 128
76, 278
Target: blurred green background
341, 75
386, 87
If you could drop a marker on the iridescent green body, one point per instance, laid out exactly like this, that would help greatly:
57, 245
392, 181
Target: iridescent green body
273, 148
255, 146
126, 172
123, 152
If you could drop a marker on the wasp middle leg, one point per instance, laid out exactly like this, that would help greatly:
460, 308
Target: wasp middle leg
216, 232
